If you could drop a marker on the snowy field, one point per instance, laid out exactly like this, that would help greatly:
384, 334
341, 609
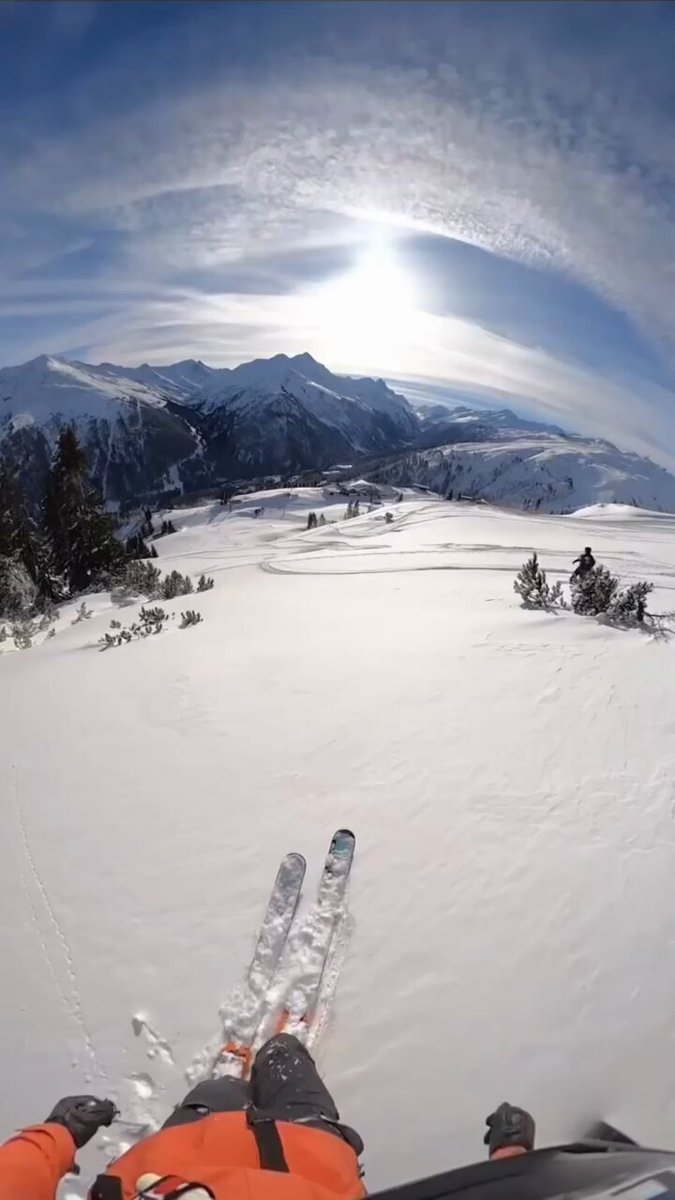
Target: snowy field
510, 777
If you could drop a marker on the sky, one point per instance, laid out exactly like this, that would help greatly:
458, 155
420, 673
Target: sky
475, 201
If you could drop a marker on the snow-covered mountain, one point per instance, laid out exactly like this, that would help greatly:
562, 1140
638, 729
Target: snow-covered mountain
156, 430
521, 466
150, 429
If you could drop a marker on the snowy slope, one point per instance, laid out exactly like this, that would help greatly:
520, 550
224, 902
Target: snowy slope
509, 776
546, 472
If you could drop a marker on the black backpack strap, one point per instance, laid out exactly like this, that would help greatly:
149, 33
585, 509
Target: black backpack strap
268, 1141
107, 1187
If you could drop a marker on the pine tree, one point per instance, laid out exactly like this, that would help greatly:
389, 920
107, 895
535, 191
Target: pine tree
81, 532
23, 549
531, 586
630, 606
594, 592
136, 547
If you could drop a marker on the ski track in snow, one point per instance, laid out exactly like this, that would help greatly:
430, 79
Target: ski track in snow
509, 776
70, 997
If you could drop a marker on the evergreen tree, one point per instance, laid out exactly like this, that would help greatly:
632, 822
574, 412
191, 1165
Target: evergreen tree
24, 551
136, 547
531, 586
630, 606
82, 534
594, 592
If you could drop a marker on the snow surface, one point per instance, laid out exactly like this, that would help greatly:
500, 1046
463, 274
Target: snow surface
510, 776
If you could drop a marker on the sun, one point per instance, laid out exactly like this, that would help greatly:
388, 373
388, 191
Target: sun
365, 313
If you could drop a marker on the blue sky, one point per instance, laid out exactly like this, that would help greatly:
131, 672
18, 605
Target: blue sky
475, 199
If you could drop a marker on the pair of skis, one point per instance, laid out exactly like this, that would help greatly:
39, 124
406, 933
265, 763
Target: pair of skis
292, 1003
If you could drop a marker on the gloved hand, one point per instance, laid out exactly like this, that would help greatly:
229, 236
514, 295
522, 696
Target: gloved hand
82, 1116
509, 1126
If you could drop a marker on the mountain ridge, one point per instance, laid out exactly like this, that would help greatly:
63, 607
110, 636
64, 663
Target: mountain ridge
154, 431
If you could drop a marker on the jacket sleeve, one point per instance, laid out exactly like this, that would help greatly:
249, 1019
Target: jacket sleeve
33, 1162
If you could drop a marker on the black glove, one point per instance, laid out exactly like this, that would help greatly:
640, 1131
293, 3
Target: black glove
82, 1116
509, 1126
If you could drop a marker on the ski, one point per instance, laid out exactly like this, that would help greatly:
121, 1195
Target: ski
234, 1057
311, 951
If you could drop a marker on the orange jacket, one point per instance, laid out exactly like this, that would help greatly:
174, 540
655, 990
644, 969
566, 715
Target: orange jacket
219, 1151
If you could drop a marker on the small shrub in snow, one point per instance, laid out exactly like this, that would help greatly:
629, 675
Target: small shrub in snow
322, 519
115, 624
312, 521
23, 632
595, 592
52, 633
388, 516
83, 614
150, 621
153, 617
534, 591
204, 584
174, 584
190, 618
3, 633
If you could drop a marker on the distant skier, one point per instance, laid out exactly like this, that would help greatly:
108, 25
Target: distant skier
586, 563
275, 1138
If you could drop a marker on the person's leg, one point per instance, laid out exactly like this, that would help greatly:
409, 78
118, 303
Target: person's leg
285, 1080
286, 1084
210, 1096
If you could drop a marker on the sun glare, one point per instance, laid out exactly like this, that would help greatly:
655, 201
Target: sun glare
368, 310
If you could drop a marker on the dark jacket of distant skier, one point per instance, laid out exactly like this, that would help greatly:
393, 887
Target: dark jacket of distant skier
277, 1137
586, 563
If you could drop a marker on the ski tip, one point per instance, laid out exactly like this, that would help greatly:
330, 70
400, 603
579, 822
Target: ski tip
343, 835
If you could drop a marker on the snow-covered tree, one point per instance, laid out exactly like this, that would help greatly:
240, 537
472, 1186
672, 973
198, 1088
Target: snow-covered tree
594, 592
630, 605
25, 559
18, 592
533, 589
138, 578
174, 584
